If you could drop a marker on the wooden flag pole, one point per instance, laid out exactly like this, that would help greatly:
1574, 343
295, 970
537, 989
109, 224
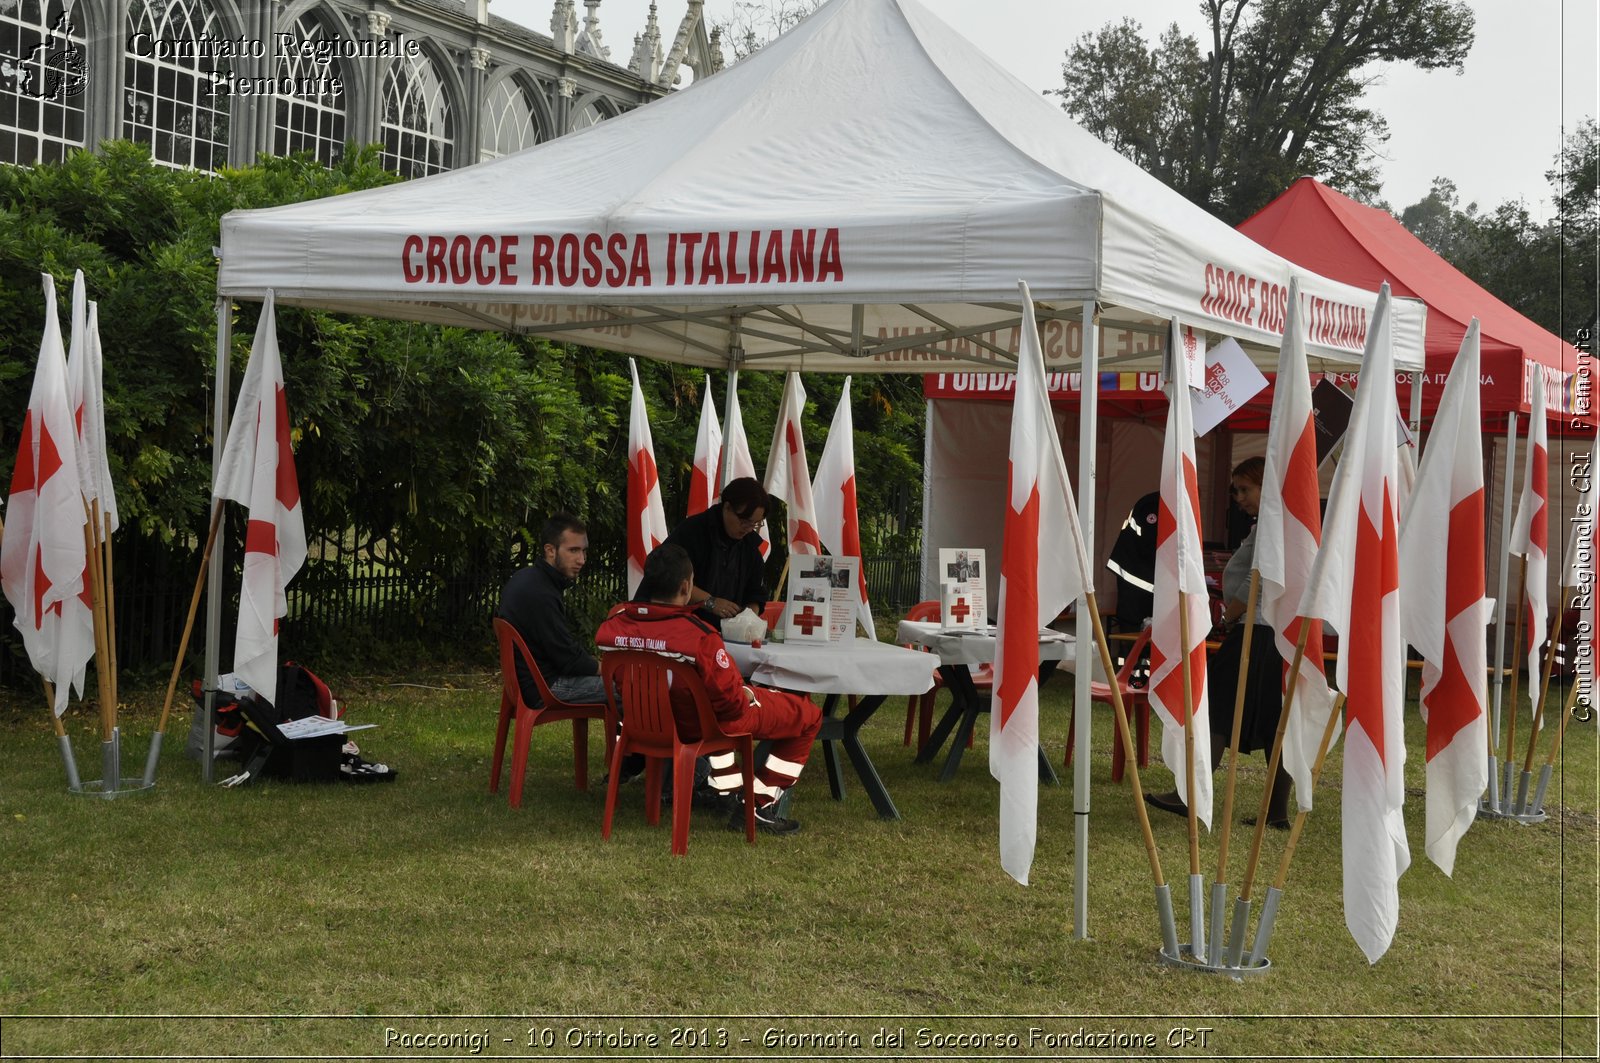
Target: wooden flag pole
1516, 673
1272, 765
1561, 731
1120, 712
111, 612
1249, 620
1316, 776
97, 611
1544, 687
50, 703
783, 576
188, 624
1188, 732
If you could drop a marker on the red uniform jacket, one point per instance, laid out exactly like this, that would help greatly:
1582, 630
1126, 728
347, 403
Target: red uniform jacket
675, 631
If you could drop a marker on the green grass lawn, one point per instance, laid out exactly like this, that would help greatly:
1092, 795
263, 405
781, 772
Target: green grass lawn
429, 908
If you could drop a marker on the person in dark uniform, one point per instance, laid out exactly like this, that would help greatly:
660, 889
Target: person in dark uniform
1133, 560
725, 550
532, 603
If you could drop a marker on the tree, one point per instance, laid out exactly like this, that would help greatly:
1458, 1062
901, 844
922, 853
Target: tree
1277, 95
756, 22
1544, 270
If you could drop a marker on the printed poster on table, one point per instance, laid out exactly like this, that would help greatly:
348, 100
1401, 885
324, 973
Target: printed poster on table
822, 599
964, 589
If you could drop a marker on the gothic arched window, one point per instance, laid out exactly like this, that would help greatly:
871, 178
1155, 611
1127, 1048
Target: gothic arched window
311, 117
175, 100
418, 123
509, 123
41, 82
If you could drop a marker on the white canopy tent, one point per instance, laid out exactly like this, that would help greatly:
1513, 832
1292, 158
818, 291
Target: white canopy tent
861, 195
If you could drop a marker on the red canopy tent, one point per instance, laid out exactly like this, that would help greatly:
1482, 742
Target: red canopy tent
1314, 226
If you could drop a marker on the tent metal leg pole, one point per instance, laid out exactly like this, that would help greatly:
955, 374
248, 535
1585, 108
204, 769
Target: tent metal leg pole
1509, 476
219, 438
1088, 415
727, 436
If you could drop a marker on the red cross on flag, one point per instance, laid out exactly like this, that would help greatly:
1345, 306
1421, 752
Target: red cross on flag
1038, 579
1355, 586
647, 518
257, 470
788, 476
737, 462
704, 481
43, 555
1443, 610
1181, 590
837, 524
1288, 532
1530, 534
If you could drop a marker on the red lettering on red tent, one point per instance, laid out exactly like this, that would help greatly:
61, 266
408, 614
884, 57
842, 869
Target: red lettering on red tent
672, 259
482, 260
408, 266
772, 260
807, 620
734, 276
435, 260
711, 260
460, 260
544, 273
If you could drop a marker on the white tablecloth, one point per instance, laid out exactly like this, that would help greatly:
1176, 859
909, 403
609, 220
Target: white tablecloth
977, 647
861, 667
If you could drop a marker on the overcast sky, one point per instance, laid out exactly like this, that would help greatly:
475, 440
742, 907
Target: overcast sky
1494, 130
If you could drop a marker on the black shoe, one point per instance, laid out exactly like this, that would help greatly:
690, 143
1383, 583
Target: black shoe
1275, 824
708, 798
768, 819
1167, 803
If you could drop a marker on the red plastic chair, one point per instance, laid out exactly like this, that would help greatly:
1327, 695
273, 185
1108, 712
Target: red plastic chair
553, 710
1135, 700
919, 707
644, 682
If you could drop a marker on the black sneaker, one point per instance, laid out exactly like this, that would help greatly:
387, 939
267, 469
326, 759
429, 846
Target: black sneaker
708, 798
768, 819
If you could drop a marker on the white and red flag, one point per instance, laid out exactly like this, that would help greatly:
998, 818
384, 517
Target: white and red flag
647, 518
705, 482
835, 494
43, 555
1288, 532
86, 394
788, 476
1038, 579
1181, 589
257, 471
736, 461
1530, 534
1355, 587
1443, 610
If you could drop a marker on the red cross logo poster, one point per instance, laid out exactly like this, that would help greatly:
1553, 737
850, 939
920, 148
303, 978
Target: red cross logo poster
964, 589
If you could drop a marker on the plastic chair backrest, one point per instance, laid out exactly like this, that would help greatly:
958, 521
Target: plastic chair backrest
923, 612
645, 682
1131, 661
511, 647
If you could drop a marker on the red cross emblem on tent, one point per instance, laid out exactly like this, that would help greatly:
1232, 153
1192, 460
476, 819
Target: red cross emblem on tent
808, 620
961, 610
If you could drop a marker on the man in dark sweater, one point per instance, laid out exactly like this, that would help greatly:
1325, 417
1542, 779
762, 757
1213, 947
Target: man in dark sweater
726, 553
532, 602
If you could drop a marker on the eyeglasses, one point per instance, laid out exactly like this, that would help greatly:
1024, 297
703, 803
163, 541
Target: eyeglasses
747, 523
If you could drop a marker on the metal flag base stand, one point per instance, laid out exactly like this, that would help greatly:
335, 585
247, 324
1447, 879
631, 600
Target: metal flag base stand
1190, 962
112, 785
1535, 815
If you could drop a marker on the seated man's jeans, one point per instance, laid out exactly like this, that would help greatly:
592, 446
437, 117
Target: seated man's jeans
583, 689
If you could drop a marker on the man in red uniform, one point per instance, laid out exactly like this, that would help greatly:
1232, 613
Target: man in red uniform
661, 618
